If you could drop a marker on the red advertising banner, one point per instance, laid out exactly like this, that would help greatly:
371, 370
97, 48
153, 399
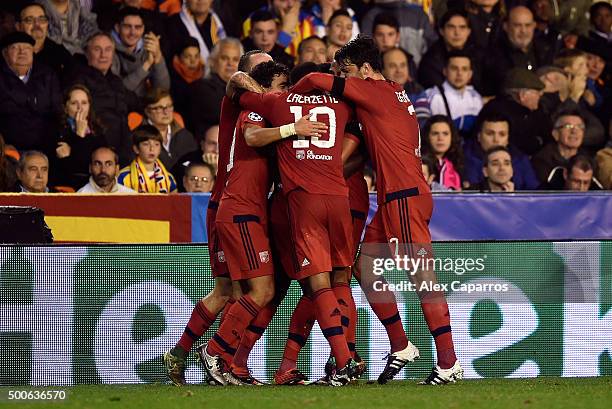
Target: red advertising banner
139, 218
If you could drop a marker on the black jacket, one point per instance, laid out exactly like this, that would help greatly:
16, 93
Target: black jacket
29, 111
205, 98
176, 34
55, 56
112, 103
277, 53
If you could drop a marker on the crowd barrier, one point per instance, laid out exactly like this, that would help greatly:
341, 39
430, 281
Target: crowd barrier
182, 218
87, 314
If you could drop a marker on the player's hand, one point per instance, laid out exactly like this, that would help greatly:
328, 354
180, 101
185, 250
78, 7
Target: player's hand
62, 150
306, 128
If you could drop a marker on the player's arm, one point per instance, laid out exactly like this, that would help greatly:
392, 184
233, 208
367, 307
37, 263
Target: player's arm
353, 89
242, 80
304, 127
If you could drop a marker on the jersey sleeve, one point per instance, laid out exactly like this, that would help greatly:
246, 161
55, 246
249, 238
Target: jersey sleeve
260, 103
253, 118
353, 132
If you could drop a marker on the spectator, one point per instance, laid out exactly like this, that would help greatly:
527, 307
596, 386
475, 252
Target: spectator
604, 166
454, 29
596, 55
138, 58
186, 68
543, 15
33, 172
312, 49
104, 168
153, 20
29, 96
529, 124
197, 20
321, 12
516, 48
33, 20
294, 25
177, 141
485, 20
571, 19
8, 170
416, 33
146, 173
199, 178
207, 152
69, 23
386, 31
601, 21
442, 141
112, 101
205, 95
264, 36
568, 134
339, 31
577, 175
497, 171
454, 98
431, 173
494, 130
79, 136
396, 67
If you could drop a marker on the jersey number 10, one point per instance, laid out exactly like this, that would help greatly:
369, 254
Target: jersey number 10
302, 142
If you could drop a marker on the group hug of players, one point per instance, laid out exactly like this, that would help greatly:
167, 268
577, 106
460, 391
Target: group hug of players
309, 142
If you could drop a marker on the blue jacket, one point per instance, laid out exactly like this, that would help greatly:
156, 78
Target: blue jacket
524, 177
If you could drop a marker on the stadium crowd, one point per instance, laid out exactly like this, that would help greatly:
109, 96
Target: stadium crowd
115, 96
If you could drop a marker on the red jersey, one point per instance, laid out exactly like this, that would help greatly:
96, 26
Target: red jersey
248, 178
390, 128
227, 124
315, 164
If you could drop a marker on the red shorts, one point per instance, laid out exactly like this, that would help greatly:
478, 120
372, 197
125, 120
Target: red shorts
246, 247
404, 218
321, 230
215, 252
280, 235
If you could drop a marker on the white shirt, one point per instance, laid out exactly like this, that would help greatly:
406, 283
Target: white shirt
92, 187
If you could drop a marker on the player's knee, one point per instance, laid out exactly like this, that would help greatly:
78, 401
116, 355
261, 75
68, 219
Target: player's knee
262, 295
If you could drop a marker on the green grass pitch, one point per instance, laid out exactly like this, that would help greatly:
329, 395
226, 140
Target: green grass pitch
555, 393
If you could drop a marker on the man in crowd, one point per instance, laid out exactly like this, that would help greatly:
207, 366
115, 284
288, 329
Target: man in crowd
138, 57
396, 67
386, 32
33, 172
264, 36
30, 97
312, 49
497, 171
199, 178
104, 169
578, 175
70, 24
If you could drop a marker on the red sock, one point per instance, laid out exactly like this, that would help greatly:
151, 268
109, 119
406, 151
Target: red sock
301, 323
228, 305
343, 294
328, 315
201, 319
351, 336
435, 310
228, 336
251, 335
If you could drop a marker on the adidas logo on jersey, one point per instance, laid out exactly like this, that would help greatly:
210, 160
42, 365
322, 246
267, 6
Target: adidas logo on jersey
305, 262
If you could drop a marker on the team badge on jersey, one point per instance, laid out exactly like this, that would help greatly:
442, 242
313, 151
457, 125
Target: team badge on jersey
300, 155
221, 257
255, 117
264, 256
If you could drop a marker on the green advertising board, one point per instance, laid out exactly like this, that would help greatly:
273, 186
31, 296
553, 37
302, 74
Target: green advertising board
106, 313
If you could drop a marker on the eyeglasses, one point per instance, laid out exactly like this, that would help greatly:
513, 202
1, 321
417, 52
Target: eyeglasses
571, 126
162, 108
198, 179
31, 20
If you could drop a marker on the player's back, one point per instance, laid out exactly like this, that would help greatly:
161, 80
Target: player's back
248, 175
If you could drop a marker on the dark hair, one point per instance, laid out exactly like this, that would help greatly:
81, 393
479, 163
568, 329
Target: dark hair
199, 164
359, 51
28, 5
188, 42
596, 6
491, 116
582, 162
265, 72
144, 133
312, 37
453, 13
493, 150
261, 15
567, 112
338, 13
245, 60
128, 11
154, 95
303, 69
92, 120
432, 165
457, 54
386, 19
107, 147
96, 35
454, 153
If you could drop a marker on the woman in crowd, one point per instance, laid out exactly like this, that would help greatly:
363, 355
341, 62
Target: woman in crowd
80, 135
159, 112
321, 12
442, 141
187, 67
